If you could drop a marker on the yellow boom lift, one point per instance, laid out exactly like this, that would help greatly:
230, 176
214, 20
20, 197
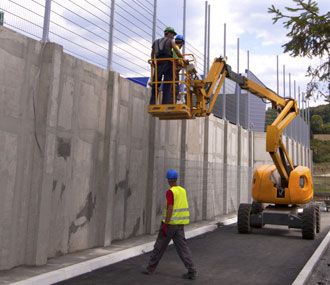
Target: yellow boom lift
281, 192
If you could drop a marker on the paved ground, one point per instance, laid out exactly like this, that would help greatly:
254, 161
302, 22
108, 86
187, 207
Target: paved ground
321, 275
268, 256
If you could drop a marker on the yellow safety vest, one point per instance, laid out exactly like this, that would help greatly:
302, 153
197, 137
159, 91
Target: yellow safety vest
180, 61
181, 213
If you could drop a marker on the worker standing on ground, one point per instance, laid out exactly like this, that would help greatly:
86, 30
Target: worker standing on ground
176, 215
162, 48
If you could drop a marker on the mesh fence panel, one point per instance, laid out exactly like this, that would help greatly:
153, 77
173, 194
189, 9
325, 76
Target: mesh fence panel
213, 189
82, 27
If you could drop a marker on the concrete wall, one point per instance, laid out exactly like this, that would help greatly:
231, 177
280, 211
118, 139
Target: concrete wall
83, 164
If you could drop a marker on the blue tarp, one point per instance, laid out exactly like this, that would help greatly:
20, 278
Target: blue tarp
139, 80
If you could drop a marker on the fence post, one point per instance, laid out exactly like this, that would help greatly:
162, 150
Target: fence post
184, 24
154, 21
283, 80
248, 94
205, 40
110, 46
45, 31
277, 78
208, 36
237, 89
285, 130
290, 95
224, 83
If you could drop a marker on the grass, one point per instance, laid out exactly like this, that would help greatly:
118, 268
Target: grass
321, 168
321, 184
322, 137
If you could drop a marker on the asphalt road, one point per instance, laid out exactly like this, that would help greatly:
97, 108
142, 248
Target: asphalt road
268, 256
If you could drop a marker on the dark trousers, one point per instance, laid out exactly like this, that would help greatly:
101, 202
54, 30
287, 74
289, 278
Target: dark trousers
175, 232
163, 69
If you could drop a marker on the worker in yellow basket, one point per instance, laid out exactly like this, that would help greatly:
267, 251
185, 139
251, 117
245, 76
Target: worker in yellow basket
179, 41
162, 49
176, 215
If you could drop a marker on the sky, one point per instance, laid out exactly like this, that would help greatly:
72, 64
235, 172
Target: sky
250, 22
82, 27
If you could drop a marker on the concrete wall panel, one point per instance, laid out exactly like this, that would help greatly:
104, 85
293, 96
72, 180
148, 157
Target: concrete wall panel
231, 167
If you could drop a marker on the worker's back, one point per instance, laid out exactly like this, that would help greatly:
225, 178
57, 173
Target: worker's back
162, 48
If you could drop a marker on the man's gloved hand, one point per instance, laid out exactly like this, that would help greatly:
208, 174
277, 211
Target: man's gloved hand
164, 229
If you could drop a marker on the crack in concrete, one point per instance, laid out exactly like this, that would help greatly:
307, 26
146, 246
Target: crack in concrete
84, 216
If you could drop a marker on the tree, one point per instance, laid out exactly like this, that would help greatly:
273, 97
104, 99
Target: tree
326, 128
309, 34
316, 124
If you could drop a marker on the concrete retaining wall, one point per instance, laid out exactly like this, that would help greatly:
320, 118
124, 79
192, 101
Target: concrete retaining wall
82, 163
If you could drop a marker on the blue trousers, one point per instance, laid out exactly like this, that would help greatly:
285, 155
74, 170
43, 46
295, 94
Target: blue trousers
163, 69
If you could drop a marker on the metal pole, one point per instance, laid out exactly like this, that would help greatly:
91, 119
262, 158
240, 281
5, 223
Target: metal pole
299, 107
224, 83
285, 130
283, 80
248, 95
290, 95
45, 31
277, 78
299, 100
238, 89
309, 124
295, 121
208, 36
154, 21
205, 40
110, 47
184, 24
304, 106
237, 55
290, 85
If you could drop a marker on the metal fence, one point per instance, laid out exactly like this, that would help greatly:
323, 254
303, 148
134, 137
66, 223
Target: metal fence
108, 33
117, 34
321, 184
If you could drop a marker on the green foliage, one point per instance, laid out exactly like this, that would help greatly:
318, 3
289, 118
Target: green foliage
316, 124
321, 150
326, 128
323, 111
271, 115
309, 34
320, 126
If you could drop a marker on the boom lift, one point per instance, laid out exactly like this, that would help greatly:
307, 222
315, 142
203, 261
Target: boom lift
286, 190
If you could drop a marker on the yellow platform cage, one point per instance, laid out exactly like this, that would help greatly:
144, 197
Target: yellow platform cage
184, 86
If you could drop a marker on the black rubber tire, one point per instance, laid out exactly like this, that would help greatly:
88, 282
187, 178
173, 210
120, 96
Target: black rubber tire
308, 228
257, 207
318, 218
243, 218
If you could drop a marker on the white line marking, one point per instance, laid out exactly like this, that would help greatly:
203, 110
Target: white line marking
306, 272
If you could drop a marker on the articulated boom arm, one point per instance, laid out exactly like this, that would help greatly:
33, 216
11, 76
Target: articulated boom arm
201, 95
287, 107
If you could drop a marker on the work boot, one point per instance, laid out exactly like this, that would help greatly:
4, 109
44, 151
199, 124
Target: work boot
190, 275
